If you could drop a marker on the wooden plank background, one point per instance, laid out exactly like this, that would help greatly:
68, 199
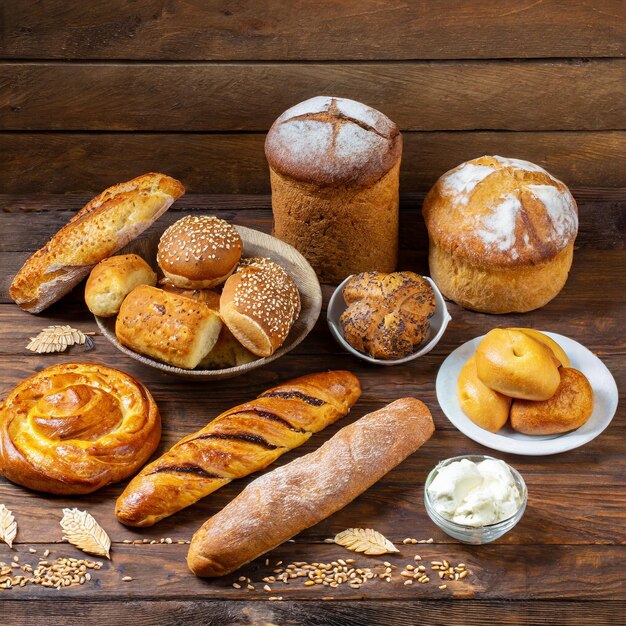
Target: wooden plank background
92, 93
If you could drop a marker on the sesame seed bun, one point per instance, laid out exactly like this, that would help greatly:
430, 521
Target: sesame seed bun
199, 251
259, 305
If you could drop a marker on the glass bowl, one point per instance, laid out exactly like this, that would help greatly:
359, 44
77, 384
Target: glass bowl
473, 534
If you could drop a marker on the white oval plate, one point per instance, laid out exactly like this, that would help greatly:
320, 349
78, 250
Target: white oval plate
508, 440
438, 324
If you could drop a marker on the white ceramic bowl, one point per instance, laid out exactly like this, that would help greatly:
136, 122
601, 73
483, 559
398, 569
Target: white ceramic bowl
438, 324
508, 440
473, 534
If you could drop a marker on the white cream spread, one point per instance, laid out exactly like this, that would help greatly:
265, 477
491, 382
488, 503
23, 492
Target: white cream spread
475, 494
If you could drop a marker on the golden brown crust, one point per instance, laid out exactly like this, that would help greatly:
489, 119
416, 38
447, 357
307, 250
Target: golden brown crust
168, 327
113, 279
340, 230
388, 314
516, 365
199, 251
558, 352
259, 304
240, 441
496, 212
498, 290
569, 408
227, 352
76, 427
484, 406
106, 224
282, 503
331, 142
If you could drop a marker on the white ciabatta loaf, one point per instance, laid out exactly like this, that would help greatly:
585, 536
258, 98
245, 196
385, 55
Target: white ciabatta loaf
501, 234
284, 502
259, 304
103, 226
334, 167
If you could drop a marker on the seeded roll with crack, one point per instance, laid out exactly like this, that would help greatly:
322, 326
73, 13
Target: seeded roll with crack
242, 440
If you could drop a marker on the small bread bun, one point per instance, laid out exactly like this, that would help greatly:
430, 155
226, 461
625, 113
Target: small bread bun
227, 352
516, 365
165, 326
113, 279
559, 353
569, 408
259, 304
199, 251
501, 234
485, 407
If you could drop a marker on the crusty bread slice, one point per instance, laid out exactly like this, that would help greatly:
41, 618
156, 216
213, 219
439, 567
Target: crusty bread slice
101, 228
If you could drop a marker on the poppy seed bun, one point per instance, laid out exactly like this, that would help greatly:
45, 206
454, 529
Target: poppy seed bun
259, 304
501, 234
199, 251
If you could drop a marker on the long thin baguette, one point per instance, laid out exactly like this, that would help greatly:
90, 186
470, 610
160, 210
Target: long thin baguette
242, 440
302, 493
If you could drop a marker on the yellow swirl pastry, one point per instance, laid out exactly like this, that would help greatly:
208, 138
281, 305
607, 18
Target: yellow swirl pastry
76, 427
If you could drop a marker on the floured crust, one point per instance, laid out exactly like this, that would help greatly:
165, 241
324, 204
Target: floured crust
282, 503
330, 141
500, 212
103, 226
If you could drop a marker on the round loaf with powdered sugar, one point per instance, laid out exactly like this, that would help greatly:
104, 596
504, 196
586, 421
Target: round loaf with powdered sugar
501, 234
334, 168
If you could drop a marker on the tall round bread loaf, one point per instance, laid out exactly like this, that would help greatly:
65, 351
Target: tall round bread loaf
501, 234
334, 169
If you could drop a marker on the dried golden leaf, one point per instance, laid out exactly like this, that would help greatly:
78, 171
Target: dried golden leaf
8, 526
82, 530
57, 339
365, 540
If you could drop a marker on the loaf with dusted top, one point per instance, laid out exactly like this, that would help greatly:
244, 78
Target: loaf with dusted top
240, 441
334, 169
103, 226
282, 503
501, 233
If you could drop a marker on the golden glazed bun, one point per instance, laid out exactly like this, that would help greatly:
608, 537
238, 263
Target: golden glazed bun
199, 251
168, 327
516, 365
569, 408
102, 227
484, 406
259, 304
388, 314
501, 234
76, 427
113, 279
558, 352
334, 169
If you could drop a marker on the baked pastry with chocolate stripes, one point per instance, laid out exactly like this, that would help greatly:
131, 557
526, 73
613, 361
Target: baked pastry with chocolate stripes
240, 441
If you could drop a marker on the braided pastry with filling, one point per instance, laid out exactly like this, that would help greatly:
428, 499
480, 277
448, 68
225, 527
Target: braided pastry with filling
242, 440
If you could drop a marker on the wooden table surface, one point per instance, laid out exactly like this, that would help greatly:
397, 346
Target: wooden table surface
564, 562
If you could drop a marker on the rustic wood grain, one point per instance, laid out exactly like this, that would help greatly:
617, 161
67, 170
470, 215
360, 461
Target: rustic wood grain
331, 29
235, 163
497, 571
497, 95
569, 547
317, 613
